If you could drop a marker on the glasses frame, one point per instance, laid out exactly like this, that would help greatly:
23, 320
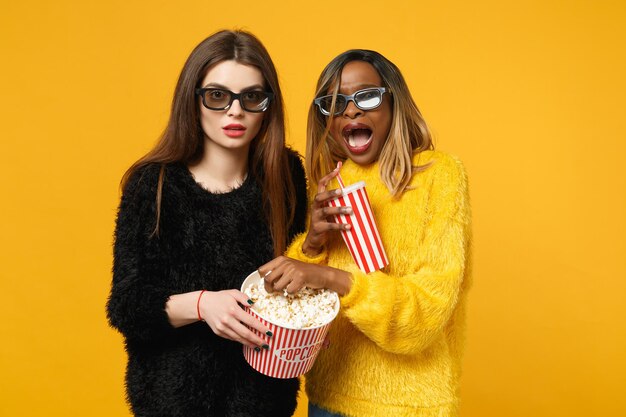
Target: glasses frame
350, 98
234, 96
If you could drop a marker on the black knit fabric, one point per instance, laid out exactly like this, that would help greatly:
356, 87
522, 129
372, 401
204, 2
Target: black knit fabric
206, 241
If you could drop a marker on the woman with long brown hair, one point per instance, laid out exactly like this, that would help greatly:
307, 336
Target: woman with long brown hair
219, 195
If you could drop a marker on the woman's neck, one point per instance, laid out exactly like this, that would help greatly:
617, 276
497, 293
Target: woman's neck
221, 169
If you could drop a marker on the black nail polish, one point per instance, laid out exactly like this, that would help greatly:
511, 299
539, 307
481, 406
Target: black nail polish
270, 334
257, 349
250, 302
266, 347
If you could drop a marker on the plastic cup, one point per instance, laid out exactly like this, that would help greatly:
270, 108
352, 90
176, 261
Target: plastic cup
363, 240
292, 351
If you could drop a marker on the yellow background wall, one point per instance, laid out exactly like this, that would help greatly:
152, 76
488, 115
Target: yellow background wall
530, 94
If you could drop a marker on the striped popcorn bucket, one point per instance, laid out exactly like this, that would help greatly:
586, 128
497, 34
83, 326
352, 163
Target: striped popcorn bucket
292, 351
363, 240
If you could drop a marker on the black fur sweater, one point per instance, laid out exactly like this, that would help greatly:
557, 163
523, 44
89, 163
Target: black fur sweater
206, 241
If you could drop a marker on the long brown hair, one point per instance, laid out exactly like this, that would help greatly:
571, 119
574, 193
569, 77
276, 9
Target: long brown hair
183, 138
408, 133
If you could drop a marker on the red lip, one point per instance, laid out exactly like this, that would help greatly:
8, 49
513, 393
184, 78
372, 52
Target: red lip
358, 137
234, 130
234, 126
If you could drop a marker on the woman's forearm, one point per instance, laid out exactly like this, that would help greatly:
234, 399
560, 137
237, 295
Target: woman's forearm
338, 280
182, 309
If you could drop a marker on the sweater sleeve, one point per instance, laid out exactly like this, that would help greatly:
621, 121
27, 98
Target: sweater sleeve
405, 314
136, 304
295, 251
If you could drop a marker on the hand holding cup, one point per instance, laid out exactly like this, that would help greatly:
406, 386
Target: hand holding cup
322, 216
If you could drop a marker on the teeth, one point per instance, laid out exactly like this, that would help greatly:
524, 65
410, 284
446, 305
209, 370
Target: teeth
357, 138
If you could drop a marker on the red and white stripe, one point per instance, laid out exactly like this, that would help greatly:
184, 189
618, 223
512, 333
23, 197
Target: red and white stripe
292, 352
363, 239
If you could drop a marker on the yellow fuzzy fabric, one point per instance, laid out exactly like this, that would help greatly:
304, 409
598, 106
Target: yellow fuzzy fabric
395, 348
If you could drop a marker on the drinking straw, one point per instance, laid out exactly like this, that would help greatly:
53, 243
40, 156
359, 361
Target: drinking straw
339, 180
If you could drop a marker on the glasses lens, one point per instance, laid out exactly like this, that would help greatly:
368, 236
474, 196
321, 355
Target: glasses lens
340, 104
327, 101
217, 99
325, 104
368, 99
255, 100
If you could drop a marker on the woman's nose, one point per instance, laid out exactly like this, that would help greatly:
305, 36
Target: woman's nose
235, 108
352, 110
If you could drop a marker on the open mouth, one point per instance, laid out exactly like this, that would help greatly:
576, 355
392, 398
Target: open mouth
358, 137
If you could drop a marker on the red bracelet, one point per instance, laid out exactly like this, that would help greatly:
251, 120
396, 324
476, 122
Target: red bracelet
198, 305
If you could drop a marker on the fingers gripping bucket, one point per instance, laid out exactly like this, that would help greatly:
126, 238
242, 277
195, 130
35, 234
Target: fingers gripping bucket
292, 351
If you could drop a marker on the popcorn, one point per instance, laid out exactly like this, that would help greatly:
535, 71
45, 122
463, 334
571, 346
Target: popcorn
306, 308
299, 323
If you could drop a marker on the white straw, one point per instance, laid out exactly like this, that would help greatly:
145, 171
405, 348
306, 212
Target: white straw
339, 180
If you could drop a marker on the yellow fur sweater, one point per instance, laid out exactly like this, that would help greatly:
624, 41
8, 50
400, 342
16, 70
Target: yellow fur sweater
395, 348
